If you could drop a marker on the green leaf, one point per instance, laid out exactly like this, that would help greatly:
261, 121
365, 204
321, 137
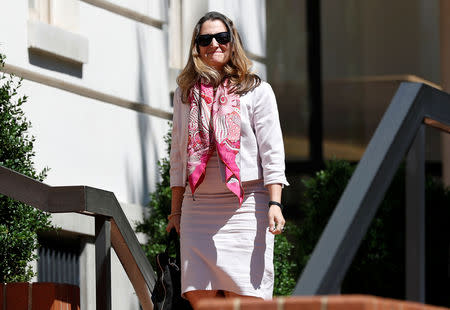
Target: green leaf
19, 223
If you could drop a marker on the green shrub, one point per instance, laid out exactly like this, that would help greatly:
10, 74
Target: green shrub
378, 266
285, 263
286, 268
19, 223
321, 194
154, 225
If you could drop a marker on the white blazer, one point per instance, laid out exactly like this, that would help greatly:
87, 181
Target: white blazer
262, 149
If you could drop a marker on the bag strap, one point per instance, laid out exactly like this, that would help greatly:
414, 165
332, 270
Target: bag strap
173, 237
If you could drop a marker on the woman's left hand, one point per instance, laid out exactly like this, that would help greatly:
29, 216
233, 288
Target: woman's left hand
276, 220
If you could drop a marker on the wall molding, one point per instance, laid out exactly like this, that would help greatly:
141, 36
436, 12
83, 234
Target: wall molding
126, 12
85, 91
57, 41
255, 57
398, 78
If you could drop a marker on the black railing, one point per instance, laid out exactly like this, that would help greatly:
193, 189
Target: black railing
400, 132
111, 228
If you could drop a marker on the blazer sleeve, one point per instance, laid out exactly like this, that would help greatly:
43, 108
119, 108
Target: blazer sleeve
176, 162
268, 135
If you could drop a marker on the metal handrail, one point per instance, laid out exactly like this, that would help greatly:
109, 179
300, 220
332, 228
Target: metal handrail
400, 133
112, 228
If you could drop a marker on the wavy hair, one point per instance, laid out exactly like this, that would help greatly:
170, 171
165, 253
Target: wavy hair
237, 70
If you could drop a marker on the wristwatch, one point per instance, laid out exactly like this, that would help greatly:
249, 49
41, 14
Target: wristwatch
276, 203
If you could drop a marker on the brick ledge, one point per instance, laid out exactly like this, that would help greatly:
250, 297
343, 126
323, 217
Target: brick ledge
339, 302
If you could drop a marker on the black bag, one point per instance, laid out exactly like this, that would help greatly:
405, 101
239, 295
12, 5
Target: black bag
167, 291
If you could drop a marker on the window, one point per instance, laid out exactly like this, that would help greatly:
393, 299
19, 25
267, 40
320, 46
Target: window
39, 10
64, 14
52, 31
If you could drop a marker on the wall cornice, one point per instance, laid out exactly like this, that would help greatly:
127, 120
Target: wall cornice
85, 91
126, 12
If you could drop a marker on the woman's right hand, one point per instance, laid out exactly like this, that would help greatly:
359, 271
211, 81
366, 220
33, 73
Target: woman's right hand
174, 222
175, 215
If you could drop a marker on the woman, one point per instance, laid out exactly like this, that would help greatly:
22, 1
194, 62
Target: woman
227, 168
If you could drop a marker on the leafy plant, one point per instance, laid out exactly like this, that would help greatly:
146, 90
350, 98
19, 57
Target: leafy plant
285, 263
19, 223
321, 194
378, 266
154, 225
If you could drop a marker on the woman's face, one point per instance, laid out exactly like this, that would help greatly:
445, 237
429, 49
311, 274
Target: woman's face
214, 55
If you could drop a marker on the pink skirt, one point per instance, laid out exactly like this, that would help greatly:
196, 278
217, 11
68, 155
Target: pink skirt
224, 246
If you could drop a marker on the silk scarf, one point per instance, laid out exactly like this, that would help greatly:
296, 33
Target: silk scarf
214, 123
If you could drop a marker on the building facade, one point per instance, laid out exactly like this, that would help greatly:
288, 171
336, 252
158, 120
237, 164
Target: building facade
99, 76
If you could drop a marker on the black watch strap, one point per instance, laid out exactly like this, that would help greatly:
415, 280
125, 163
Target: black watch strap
275, 203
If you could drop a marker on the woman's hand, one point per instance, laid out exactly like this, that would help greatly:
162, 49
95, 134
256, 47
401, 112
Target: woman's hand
276, 219
174, 222
175, 215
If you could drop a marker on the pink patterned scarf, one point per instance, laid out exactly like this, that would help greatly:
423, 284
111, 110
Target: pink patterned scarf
214, 122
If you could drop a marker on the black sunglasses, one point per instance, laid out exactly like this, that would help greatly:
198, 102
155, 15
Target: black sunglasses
206, 39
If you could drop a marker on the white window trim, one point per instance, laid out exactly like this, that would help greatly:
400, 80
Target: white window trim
50, 39
40, 11
175, 35
58, 42
126, 12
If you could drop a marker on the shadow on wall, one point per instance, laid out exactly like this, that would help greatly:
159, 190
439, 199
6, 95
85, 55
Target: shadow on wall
147, 131
54, 63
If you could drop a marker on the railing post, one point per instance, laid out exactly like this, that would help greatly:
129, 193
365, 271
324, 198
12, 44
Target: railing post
415, 219
103, 262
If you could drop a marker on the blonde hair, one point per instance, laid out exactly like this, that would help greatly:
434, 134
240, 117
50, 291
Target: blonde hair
237, 70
